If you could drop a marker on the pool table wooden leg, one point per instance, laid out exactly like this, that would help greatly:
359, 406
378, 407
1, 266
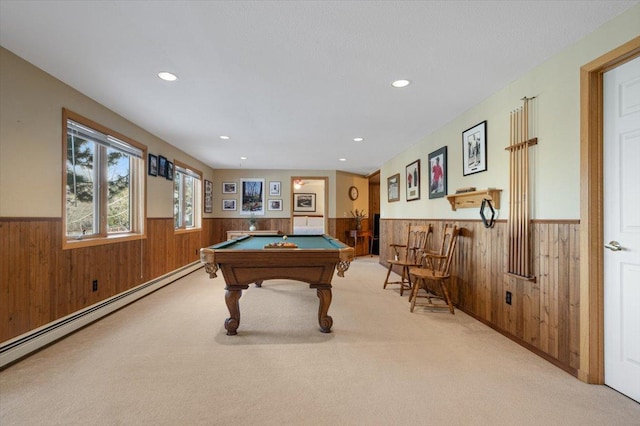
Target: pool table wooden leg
232, 298
325, 321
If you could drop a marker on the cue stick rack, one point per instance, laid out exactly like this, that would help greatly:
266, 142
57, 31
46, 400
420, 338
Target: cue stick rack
519, 235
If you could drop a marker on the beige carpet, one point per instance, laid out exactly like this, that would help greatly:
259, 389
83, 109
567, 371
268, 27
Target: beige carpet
166, 360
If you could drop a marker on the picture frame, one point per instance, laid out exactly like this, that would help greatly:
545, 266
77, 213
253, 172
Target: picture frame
438, 173
169, 170
229, 188
274, 188
474, 149
393, 188
162, 166
229, 205
412, 180
252, 199
275, 205
304, 202
153, 165
208, 196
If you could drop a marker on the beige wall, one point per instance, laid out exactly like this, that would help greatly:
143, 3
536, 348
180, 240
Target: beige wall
31, 105
555, 173
344, 204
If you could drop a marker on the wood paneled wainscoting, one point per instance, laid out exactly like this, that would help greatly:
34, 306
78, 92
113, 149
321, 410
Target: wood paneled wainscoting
544, 315
41, 283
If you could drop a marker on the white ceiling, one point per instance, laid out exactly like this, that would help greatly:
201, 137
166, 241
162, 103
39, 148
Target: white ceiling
293, 82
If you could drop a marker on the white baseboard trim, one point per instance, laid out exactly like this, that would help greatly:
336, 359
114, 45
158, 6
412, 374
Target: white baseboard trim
21, 346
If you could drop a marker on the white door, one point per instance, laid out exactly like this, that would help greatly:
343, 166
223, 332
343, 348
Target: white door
622, 228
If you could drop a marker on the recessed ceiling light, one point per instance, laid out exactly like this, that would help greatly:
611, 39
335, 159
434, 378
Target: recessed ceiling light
167, 76
401, 83
358, 139
243, 158
224, 137
343, 159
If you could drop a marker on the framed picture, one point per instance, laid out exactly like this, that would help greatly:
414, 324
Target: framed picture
304, 202
153, 165
228, 205
162, 166
252, 200
274, 188
474, 149
169, 170
208, 196
275, 204
438, 173
393, 188
413, 181
229, 188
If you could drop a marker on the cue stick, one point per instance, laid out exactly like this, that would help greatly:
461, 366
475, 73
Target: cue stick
512, 251
526, 187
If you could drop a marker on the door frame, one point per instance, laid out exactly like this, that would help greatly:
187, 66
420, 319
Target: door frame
325, 212
592, 209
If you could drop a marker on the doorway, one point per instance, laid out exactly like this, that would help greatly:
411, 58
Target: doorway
309, 205
592, 363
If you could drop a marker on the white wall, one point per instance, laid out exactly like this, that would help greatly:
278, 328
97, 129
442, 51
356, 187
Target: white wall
555, 161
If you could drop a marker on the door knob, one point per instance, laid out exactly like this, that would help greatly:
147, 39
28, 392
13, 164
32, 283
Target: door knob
613, 246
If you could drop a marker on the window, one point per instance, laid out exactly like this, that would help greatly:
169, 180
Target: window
103, 184
187, 197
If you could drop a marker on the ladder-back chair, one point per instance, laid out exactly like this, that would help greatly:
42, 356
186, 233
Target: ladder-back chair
408, 255
435, 268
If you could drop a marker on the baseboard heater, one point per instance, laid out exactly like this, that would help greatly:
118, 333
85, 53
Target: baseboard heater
21, 346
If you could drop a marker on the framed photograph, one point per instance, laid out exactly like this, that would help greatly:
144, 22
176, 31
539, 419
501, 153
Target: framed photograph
304, 202
438, 173
228, 205
393, 188
474, 149
153, 165
252, 200
169, 170
413, 181
208, 196
162, 166
275, 204
274, 188
229, 188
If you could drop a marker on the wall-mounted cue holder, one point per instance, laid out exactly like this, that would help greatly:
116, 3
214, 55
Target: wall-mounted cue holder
473, 199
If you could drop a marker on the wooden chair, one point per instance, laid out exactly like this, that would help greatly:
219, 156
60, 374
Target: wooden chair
435, 268
408, 255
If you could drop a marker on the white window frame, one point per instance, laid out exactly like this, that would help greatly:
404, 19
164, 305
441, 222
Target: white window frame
181, 170
106, 138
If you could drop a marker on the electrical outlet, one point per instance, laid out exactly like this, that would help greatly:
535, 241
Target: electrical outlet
508, 298
95, 285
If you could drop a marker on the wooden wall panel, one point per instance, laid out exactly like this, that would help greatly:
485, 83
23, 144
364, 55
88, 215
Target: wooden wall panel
40, 282
544, 315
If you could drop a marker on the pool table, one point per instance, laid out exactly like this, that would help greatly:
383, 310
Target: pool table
255, 258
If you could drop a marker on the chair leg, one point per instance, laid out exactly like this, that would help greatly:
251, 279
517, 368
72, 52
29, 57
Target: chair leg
386, 280
445, 292
414, 293
405, 276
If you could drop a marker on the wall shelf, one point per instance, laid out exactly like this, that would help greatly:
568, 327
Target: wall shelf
474, 198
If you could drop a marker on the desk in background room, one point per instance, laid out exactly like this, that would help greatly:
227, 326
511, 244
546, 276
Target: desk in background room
356, 235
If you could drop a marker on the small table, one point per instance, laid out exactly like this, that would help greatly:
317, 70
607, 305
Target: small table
357, 234
232, 235
245, 260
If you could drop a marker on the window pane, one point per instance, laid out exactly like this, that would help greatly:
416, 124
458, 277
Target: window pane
189, 192
81, 188
177, 205
118, 191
